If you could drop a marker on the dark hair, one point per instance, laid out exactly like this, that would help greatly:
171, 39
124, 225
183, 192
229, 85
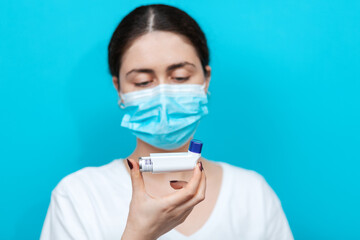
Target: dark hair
148, 18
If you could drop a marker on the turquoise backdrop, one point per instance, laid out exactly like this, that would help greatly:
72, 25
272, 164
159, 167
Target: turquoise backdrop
285, 102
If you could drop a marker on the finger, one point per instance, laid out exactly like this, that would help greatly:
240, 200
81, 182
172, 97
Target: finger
200, 195
187, 192
137, 180
178, 184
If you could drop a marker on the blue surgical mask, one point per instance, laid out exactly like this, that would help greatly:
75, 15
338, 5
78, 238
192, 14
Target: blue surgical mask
165, 116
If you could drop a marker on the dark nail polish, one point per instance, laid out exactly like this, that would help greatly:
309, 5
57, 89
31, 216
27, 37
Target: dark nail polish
201, 166
129, 163
174, 181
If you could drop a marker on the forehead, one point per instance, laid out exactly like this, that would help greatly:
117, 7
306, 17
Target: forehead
158, 49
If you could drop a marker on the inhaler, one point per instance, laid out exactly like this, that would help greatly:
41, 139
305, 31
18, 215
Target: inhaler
172, 162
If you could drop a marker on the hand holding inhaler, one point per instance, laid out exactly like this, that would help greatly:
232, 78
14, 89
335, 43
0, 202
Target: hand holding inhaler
150, 216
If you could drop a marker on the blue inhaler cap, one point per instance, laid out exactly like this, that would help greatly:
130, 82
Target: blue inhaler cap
195, 146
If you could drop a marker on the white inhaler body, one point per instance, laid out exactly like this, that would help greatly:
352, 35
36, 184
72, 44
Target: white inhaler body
172, 162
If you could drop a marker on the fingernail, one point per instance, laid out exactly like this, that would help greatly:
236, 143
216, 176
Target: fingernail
129, 163
174, 181
201, 166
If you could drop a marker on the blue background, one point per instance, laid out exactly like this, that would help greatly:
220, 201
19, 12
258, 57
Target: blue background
285, 102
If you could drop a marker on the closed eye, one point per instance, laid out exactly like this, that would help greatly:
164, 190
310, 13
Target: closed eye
142, 84
181, 78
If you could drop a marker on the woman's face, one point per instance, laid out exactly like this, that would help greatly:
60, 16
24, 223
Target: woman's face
160, 57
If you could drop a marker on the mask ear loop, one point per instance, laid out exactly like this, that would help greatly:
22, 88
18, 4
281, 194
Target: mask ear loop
120, 103
208, 92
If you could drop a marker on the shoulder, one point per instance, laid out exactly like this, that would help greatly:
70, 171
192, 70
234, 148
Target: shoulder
251, 184
245, 177
90, 179
253, 204
83, 197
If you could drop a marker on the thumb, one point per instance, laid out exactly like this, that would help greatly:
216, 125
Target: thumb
137, 180
177, 184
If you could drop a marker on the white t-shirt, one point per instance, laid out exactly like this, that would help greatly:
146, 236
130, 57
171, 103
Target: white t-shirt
93, 203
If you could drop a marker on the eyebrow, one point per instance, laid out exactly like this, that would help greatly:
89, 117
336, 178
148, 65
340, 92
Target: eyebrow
168, 69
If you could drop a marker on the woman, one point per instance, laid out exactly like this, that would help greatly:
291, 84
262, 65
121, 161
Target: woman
158, 58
